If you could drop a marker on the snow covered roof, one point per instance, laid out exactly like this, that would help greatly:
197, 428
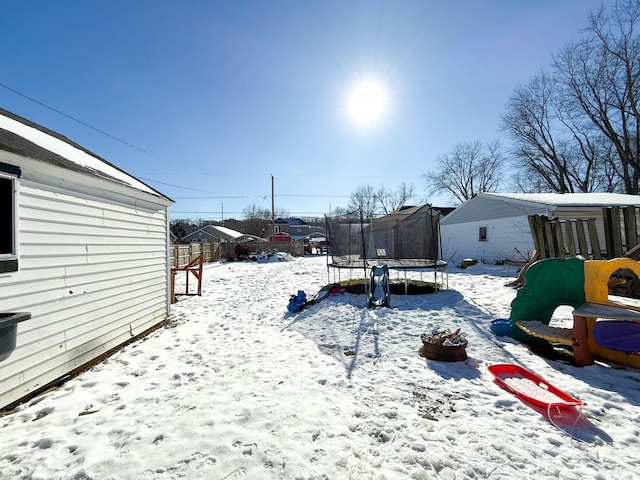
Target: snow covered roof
23, 137
493, 206
233, 234
222, 233
572, 199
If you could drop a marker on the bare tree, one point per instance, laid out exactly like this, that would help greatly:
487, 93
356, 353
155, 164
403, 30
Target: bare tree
181, 227
256, 212
488, 172
367, 201
602, 78
608, 174
527, 180
469, 169
555, 149
391, 200
530, 120
577, 127
346, 214
363, 199
257, 220
338, 211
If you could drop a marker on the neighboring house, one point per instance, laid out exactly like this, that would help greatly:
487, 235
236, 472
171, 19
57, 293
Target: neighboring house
493, 227
83, 249
444, 211
316, 238
295, 227
215, 233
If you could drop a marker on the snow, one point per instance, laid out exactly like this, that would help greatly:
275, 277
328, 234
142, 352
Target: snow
69, 152
596, 199
269, 257
238, 387
228, 231
532, 389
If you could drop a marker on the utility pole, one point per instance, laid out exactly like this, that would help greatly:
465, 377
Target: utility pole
273, 209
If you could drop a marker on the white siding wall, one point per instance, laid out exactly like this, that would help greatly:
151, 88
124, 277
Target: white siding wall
507, 239
509, 236
93, 273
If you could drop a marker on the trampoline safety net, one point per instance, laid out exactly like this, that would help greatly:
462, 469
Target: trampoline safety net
405, 238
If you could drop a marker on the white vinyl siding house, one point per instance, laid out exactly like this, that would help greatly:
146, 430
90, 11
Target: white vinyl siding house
8, 244
505, 238
90, 252
504, 218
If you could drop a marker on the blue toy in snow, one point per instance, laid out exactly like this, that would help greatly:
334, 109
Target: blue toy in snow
297, 302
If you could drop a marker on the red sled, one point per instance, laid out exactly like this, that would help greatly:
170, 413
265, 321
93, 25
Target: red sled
530, 387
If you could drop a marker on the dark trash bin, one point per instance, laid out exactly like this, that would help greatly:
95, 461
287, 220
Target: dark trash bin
8, 329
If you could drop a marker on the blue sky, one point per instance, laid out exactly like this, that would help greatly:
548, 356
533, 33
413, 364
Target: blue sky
211, 98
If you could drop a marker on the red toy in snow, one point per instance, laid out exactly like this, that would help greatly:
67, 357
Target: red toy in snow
530, 387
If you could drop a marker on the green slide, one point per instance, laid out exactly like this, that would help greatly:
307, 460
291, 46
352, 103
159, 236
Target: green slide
548, 284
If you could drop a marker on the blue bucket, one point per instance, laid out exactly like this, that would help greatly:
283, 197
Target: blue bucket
501, 326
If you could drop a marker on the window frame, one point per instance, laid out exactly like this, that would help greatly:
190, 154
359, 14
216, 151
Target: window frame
9, 261
483, 234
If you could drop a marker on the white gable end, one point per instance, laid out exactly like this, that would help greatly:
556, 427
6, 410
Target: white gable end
91, 260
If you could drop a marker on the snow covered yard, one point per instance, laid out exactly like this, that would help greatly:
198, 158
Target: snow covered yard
238, 387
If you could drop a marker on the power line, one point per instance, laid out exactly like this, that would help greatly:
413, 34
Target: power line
217, 212
124, 142
195, 190
311, 196
80, 121
146, 152
216, 197
259, 196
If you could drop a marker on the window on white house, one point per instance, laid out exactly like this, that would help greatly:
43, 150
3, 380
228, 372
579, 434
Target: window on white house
482, 234
8, 254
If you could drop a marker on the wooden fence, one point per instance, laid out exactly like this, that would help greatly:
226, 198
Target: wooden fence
621, 230
181, 254
554, 238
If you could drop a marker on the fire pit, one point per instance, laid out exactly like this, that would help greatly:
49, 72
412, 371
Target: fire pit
445, 346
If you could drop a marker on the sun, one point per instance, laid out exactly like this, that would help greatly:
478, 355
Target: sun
367, 103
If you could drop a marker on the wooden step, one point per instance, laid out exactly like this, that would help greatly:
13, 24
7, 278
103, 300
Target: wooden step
551, 334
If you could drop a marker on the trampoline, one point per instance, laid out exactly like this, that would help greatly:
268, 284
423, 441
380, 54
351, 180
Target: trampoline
406, 240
